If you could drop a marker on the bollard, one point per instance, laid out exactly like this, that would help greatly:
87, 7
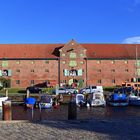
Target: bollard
6, 92
6, 111
27, 94
72, 111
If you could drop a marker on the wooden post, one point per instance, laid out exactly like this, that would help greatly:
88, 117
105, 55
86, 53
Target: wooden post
6, 92
27, 94
72, 111
6, 111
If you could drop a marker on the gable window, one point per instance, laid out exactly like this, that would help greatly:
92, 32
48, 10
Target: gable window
72, 55
81, 55
73, 63
81, 62
63, 54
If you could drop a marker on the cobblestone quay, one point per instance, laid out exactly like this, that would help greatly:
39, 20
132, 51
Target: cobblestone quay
92, 129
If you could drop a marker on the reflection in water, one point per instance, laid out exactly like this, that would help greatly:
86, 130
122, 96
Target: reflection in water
20, 113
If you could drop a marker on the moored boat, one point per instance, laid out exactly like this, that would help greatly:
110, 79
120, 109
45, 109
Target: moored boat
45, 102
3, 99
97, 99
80, 101
30, 102
134, 100
117, 99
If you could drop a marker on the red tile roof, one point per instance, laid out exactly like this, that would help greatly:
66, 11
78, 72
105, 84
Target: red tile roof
112, 50
106, 51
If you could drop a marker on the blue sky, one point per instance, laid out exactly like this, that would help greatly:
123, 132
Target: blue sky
58, 21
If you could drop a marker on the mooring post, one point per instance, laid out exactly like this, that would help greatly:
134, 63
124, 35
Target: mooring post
6, 92
6, 110
27, 94
72, 111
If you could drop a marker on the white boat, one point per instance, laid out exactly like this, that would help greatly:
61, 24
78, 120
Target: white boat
3, 99
97, 99
134, 100
80, 100
46, 102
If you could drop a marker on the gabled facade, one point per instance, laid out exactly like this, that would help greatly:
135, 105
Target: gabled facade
65, 64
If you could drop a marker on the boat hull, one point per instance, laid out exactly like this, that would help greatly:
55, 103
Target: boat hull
134, 102
117, 103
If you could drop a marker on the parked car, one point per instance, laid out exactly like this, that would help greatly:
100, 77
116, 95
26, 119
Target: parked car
63, 90
91, 89
34, 89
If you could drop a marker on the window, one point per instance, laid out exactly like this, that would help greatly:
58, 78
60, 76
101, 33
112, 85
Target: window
47, 61
5, 63
138, 72
46, 70
99, 81
138, 63
64, 62
5, 72
32, 70
18, 82
113, 61
112, 70
32, 62
66, 72
17, 62
81, 55
126, 61
32, 82
113, 81
126, 70
72, 63
98, 61
18, 70
99, 70
72, 55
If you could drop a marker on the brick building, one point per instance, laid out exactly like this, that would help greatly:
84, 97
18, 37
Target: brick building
83, 64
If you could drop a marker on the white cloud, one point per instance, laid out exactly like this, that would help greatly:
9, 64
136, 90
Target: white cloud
132, 40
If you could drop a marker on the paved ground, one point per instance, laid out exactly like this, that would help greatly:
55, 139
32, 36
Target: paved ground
97, 129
